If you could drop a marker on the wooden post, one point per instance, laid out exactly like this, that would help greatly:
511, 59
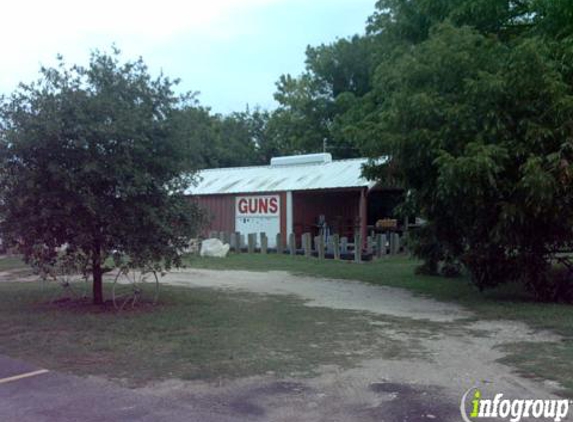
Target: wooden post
264, 243
329, 249
380, 246
357, 247
241, 241
343, 245
369, 245
233, 242
280, 244
396, 243
336, 246
307, 244
406, 235
292, 244
363, 210
252, 239
320, 247
303, 243
390, 243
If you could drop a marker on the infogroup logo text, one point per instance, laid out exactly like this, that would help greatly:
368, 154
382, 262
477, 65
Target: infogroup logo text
513, 410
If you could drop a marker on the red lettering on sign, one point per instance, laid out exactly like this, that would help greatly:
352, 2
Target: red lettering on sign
273, 205
263, 205
258, 205
252, 205
243, 207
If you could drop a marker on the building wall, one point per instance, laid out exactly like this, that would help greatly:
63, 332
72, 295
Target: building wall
221, 211
340, 208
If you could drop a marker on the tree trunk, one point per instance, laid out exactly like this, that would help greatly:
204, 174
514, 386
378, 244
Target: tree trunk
97, 274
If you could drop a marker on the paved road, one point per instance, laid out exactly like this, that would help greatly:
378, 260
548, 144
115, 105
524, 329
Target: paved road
52, 397
56, 397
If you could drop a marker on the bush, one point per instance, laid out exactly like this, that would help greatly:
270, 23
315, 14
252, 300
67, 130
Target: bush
451, 268
489, 266
550, 283
424, 244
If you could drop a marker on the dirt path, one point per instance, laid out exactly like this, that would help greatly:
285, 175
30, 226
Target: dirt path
461, 355
336, 294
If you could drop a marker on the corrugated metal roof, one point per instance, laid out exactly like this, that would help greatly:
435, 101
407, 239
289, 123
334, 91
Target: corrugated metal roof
326, 175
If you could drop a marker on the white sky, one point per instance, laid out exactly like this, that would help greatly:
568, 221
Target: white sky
232, 51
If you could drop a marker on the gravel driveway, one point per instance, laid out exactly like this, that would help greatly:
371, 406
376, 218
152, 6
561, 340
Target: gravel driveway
462, 355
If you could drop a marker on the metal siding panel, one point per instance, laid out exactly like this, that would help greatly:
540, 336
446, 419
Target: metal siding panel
221, 209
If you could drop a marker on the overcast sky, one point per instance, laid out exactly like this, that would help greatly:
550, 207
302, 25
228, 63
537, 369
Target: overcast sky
232, 51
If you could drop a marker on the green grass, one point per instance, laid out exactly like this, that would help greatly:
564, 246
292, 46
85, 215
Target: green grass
547, 360
12, 263
192, 334
507, 302
205, 334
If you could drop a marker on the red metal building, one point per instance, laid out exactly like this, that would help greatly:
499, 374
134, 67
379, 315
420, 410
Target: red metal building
296, 194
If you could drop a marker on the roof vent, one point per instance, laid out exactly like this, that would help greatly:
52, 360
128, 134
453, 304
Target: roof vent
298, 160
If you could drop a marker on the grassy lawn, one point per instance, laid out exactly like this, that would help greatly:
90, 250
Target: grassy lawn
10, 263
206, 334
192, 334
549, 360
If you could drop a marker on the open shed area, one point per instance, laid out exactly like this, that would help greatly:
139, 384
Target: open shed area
297, 194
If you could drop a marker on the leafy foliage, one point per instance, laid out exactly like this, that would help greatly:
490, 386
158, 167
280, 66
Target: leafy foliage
90, 158
213, 140
310, 105
479, 123
473, 100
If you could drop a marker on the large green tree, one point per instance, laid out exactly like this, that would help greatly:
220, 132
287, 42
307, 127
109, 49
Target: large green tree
91, 157
215, 140
336, 74
473, 100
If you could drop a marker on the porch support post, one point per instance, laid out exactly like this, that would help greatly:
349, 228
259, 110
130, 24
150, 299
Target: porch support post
289, 215
363, 212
